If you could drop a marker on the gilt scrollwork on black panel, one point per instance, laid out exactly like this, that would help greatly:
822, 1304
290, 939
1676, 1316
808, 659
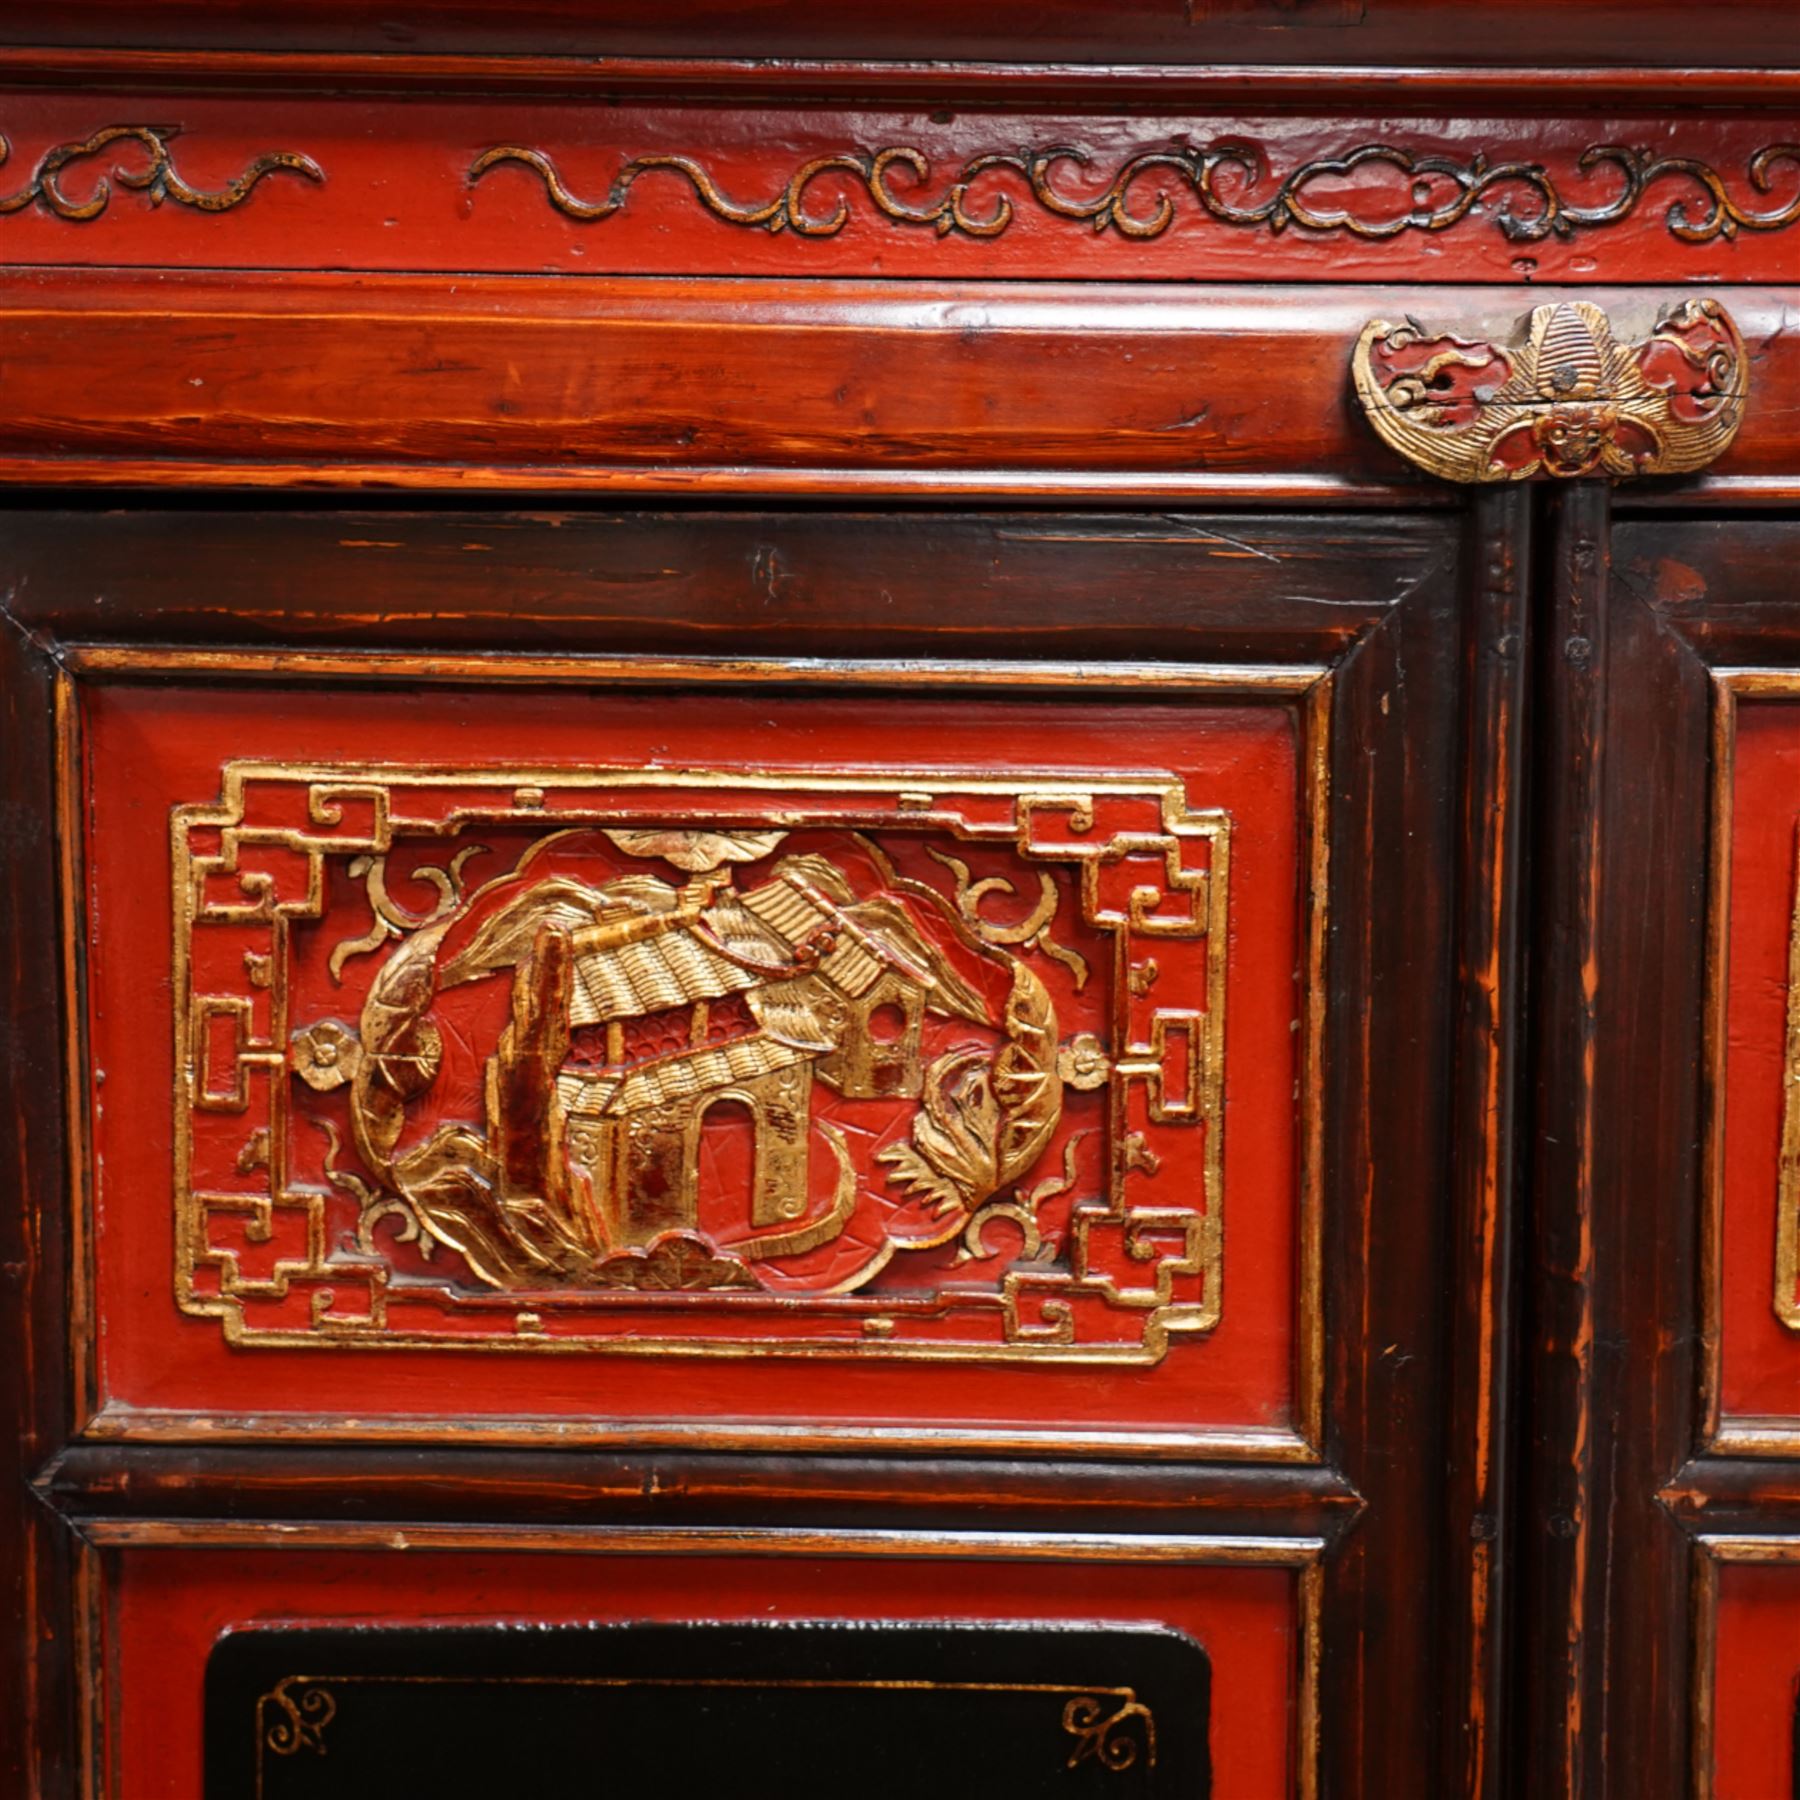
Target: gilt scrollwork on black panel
293, 1713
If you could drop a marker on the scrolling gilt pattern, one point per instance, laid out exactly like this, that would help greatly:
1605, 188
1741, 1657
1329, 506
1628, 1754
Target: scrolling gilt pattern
1110, 1727
292, 1716
157, 179
1570, 401
490, 1120
1233, 183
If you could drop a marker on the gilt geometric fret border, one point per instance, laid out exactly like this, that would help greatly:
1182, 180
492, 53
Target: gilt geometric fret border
1139, 1266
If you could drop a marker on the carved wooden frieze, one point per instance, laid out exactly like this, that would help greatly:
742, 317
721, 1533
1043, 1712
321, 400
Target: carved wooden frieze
1230, 180
701, 1062
1569, 401
664, 184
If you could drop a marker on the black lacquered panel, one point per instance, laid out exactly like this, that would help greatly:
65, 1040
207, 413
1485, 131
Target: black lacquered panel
381, 1713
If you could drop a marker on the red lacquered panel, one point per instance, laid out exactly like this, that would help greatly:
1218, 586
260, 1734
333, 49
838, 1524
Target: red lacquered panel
166, 1608
693, 1062
1749, 1676
1759, 1356
517, 184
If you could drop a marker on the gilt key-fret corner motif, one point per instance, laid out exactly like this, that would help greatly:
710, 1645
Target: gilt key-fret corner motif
702, 1063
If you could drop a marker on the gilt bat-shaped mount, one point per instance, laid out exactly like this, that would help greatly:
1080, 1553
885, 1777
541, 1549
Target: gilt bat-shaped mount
1570, 401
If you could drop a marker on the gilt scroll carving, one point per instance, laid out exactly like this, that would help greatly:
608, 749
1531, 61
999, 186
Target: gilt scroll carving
1232, 181
701, 1062
1569, 401
155, 176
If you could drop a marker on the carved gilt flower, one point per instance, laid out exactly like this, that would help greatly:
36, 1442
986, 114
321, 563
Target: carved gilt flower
1083, 1062
325, 1055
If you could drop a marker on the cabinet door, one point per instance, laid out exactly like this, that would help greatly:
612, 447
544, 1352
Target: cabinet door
804, 1067
1663, 1502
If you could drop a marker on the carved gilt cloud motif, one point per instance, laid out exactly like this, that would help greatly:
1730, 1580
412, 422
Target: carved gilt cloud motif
1570, 401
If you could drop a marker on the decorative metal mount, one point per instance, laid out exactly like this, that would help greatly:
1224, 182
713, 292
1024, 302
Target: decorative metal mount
1570, 401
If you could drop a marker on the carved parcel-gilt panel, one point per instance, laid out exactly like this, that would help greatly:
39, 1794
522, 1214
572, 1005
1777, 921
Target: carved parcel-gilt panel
701, 1062
1571, 401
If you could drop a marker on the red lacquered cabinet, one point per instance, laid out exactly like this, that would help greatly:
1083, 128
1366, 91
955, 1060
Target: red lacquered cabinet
902, 902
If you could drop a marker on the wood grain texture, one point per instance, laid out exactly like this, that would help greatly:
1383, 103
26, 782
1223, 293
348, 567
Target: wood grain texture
1736, 1495
911, 389
902, 389
1183, 585
1386, 1141
1487, 1133
1401, 32
1504, 88
38, 1674
1562, 1513
1725, 585
1618, 992
90, 1482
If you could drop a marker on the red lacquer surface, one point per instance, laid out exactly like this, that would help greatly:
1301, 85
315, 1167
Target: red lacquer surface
1760, 1356
396, 192
169, 1607
149, 750
1755, 1681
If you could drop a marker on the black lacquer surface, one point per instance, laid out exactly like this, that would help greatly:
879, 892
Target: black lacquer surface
938, 1709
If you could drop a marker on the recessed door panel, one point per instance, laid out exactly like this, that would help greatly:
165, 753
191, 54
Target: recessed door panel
1072, 1667
694, 1056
